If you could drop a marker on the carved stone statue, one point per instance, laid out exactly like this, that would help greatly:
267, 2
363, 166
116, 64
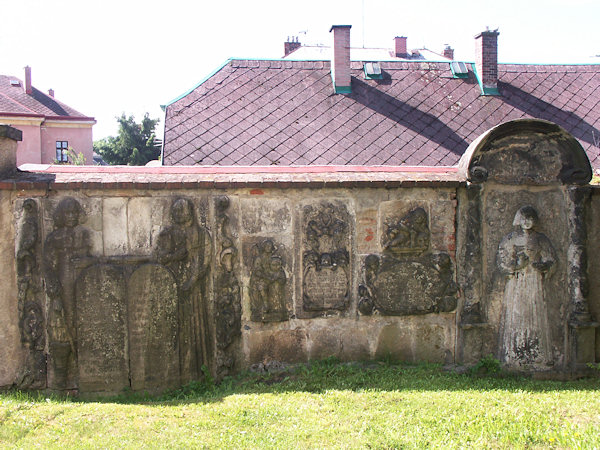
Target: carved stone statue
526, 258
185, 248
67, 244
267, 284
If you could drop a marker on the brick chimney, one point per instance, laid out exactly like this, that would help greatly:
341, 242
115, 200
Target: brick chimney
291, 45
449, 52
28, 87
340, 65
51, 92
486, 59
400, 47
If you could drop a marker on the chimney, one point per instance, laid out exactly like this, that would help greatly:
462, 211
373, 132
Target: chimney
400, 47
290, 45
486, 60
449, 52
28, 87
340, 65
51, 92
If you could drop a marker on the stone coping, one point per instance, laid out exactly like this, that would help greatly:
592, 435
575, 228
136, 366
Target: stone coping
62, 177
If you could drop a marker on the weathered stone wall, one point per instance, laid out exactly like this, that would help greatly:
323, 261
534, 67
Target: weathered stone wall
124, 278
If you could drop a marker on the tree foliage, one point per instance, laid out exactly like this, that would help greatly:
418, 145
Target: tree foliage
134, 145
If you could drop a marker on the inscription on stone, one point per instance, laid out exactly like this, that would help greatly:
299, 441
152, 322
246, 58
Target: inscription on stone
153, 329
407, 279
101, 329
326, 261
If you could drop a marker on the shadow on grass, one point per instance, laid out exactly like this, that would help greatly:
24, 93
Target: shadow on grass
331, 375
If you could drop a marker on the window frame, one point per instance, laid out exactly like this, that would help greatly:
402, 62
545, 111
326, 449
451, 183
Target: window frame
61, 154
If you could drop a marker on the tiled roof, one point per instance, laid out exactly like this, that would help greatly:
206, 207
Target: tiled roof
14, 101
320, 52
285, 112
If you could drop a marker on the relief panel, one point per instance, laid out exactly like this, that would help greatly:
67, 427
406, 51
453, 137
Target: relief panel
408, 278
326, 274
269, 289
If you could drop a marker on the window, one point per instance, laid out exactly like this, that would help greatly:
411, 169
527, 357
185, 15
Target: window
61, 151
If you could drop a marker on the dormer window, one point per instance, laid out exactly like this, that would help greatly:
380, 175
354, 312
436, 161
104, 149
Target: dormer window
459, 69
373, 71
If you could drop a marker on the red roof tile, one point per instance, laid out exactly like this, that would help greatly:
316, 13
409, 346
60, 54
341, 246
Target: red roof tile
285, 112
14, 101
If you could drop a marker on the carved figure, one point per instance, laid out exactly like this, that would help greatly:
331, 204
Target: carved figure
31, 315
267, 284
228, 308
185, 248
64, 249
409, 234
326, 261
526, 257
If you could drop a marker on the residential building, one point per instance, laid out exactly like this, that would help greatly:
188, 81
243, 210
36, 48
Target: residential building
360, 111
49, 126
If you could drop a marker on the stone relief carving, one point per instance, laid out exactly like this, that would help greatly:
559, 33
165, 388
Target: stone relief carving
267, 284
153, 326
326, 261
65, 249
31, 314
526, 257
185, 248
228, 307
407, 279
408, 235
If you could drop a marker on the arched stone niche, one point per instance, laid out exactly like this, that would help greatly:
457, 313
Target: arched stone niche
523, 258
526, 151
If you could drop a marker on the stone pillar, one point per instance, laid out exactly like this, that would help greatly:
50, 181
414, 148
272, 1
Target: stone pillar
474, 333
582, 329
9, 137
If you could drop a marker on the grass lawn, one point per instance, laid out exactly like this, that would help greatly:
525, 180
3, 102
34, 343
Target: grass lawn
325, 405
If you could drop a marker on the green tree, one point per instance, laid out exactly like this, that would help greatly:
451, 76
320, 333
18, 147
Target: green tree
135, 144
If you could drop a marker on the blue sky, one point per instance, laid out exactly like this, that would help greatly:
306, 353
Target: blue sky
105, 58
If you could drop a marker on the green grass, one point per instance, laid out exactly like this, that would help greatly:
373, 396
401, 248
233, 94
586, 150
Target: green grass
325, 405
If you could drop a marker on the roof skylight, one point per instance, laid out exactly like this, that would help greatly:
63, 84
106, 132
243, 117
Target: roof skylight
372, 70
459, 69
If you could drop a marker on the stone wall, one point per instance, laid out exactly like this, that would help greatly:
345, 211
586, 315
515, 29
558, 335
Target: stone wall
148, 278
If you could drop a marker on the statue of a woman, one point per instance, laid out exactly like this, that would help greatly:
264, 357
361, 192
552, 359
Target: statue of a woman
526, 257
